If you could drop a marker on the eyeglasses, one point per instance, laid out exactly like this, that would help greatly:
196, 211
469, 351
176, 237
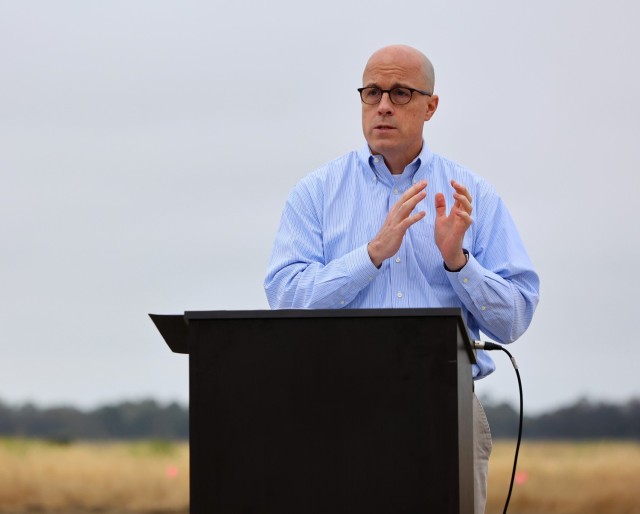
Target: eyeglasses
398, 95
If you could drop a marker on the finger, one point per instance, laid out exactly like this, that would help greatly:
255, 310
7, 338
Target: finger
465, 217
414, 218
441, 205
462, 190
463, 202
410, 194
413, 190
407, 206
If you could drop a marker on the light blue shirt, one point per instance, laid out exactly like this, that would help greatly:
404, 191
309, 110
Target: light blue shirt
320, 258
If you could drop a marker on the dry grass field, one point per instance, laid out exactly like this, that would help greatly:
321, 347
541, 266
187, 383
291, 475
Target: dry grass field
146, 477
566, 478
152, 478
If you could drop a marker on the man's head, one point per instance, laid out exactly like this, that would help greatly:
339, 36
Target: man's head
392, 130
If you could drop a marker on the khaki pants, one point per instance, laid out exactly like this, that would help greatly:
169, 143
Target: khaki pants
482, 446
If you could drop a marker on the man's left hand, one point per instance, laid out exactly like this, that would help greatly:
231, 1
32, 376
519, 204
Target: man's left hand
450, 229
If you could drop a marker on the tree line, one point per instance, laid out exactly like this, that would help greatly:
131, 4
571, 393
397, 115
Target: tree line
582, 420
148, 419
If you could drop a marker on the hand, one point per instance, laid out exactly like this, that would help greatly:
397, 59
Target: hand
450, 230
387, 241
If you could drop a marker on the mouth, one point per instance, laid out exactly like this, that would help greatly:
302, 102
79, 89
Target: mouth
384, 127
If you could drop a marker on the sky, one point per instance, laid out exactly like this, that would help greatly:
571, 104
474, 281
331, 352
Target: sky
147, 148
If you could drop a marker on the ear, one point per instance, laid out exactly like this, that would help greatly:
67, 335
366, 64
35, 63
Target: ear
432, 105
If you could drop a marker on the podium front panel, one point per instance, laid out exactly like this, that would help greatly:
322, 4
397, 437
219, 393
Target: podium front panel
305, 412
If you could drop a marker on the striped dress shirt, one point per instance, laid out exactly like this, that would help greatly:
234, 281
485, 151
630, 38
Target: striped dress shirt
320, 258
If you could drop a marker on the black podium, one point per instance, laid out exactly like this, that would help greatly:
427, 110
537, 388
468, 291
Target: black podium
328, 411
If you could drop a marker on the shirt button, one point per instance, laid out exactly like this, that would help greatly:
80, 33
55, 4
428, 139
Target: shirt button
397, 259
376, 159
370, 279
465, 280
341, 302
399, 295
484, 307
395, 191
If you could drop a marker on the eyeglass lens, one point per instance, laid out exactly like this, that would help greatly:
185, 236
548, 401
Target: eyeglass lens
398, 95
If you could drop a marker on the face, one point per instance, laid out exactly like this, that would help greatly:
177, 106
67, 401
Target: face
395, 131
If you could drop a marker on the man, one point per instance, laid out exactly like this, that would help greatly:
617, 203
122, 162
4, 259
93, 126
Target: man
360, 231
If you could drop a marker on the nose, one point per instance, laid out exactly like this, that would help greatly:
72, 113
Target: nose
386, 105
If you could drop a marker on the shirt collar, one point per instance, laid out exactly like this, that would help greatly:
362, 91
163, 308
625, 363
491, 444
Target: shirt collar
416, 170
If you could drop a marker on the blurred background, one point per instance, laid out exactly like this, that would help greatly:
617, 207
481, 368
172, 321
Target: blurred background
147, 149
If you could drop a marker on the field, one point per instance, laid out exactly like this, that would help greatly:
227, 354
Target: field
148, 477
152, 478
567, 478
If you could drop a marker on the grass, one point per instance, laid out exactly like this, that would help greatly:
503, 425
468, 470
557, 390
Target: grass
81, 477
567, 478
152, 477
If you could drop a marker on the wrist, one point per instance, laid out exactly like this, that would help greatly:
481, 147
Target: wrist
373, 254
458, 263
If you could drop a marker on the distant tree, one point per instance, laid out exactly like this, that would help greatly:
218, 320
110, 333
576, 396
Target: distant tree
128, 420
588, 420
147, 419
582, 420
143, 419
7, 419
503, 419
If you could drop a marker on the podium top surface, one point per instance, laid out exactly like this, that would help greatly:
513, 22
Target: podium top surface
322, 313
174, 328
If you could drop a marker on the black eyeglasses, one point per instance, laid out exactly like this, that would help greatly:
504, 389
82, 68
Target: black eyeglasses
399, 95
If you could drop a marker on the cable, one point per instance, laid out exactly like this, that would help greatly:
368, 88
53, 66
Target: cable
484, 345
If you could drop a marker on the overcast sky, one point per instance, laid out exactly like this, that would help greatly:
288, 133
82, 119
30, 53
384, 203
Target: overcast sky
147, 148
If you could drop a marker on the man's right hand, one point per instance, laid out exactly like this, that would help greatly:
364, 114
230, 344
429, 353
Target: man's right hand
387, 241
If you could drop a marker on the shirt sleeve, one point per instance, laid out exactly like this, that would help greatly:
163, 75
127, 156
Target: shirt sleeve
498, 285
298, 275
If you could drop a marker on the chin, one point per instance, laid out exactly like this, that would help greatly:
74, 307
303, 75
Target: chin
381, 146
382, 137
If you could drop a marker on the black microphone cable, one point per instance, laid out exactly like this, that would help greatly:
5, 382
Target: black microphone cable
485, 345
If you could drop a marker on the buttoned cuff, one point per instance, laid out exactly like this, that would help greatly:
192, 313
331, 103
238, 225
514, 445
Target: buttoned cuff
468, 278
360, 268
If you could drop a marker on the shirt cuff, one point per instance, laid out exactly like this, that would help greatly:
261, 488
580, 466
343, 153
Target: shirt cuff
468, 278
360, 268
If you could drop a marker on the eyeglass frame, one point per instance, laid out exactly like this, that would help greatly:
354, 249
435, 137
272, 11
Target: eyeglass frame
388, 91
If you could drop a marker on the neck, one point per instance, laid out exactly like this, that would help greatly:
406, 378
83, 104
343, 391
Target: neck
396, 165
398, 160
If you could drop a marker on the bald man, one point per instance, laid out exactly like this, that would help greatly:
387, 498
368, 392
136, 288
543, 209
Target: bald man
394, 225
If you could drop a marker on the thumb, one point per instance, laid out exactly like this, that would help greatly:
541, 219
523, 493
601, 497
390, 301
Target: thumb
441, 205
